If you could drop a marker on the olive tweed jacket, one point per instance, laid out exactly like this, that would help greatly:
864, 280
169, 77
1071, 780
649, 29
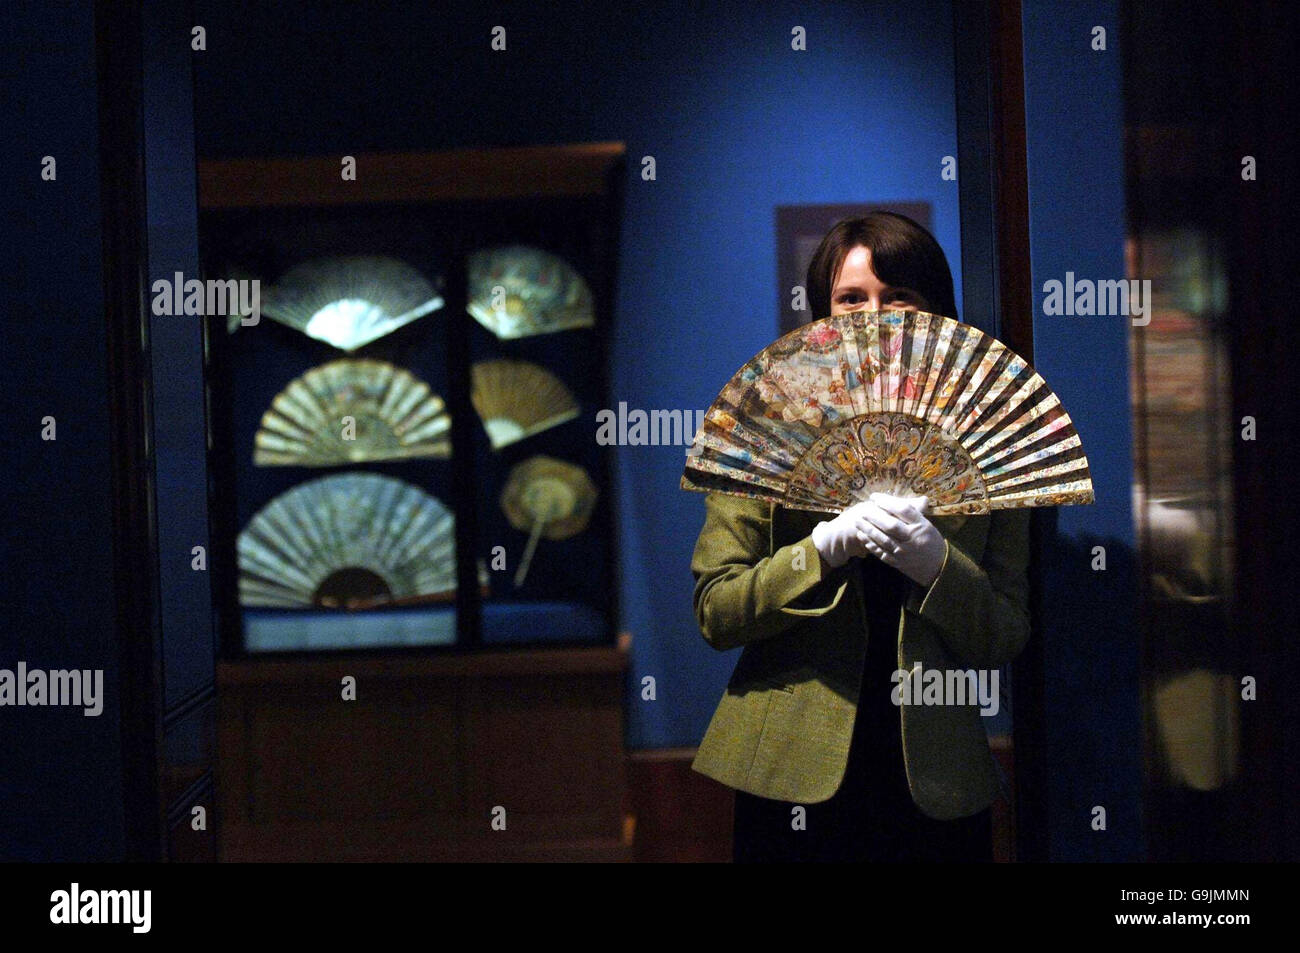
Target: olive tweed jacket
783, 726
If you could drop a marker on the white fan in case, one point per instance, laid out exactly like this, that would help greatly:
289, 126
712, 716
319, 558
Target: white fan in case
349, 301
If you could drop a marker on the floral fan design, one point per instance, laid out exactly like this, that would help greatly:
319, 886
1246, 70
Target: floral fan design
516, 399
347, 540
395, 416
898, 402
517, 291
350, 301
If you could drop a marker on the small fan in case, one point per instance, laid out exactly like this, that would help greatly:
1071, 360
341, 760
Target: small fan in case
516, 399
899, 402
517, 291
546, 495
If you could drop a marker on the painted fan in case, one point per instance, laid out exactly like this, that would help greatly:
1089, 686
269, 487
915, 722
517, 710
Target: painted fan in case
517, 291
352, 411
348, 540
898, 402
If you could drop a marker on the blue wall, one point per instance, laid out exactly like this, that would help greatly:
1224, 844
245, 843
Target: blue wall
865, 115
738, 123
1074, 115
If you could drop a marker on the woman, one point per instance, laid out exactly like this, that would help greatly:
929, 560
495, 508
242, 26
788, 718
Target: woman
825, 765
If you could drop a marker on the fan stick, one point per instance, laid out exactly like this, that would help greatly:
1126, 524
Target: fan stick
533, 537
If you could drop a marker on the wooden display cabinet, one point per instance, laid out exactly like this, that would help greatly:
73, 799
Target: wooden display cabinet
439, 740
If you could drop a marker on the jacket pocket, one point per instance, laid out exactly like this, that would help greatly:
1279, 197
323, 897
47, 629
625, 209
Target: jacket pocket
801, 605
785, 681
766, 673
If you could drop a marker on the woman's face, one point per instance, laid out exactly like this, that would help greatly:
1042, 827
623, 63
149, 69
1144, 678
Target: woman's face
857, 287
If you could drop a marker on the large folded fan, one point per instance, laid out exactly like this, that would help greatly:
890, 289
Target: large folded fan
898, 402
393, 416
348, 538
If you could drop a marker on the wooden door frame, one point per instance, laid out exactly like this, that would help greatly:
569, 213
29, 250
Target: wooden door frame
997, 296
118, 51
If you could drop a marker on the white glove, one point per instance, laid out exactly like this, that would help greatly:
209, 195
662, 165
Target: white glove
840, 539
900, 536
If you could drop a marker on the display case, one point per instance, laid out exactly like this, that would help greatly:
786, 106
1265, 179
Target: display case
479, 682
401, 439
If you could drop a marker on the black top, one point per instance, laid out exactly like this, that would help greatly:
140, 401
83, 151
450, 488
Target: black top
877, 733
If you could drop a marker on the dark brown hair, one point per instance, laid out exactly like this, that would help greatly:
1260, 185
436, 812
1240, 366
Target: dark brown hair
903, 254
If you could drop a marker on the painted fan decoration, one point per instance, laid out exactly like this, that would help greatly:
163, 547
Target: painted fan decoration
546, 495
394, 416
347, 540
350, 301
517, 291
899, 402
516, 399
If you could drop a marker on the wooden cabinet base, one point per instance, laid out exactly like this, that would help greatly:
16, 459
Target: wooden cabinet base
428, 762
404, 843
